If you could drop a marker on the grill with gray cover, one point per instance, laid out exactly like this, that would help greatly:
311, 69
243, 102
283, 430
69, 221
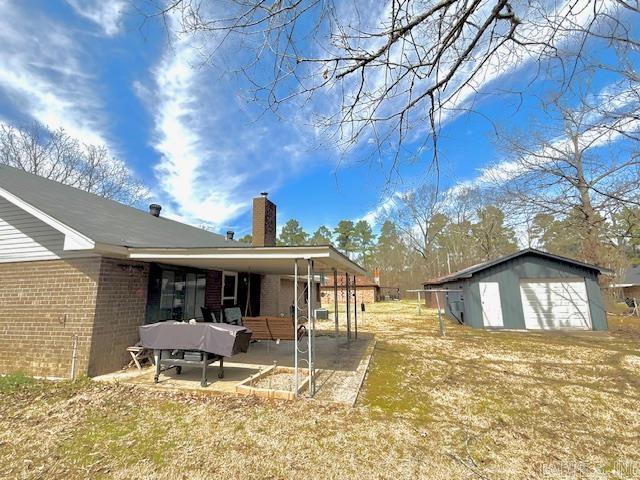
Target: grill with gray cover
178, 344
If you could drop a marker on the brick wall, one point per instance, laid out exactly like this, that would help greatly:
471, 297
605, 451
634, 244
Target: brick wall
43, 305
431, 301
366, 294
287, 296
270, 295
120, 309
277, 295
360, 280
213, 291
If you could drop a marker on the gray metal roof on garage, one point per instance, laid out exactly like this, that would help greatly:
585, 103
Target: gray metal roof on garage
470, 271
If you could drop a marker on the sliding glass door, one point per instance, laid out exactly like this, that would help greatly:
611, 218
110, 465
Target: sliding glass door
181, 295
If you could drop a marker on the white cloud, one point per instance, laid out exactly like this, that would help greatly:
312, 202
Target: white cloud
373, 216
105, 13
43, 74
507, 61
558, 29
614, 97
214, 157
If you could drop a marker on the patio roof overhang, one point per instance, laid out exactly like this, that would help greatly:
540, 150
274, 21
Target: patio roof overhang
263, 260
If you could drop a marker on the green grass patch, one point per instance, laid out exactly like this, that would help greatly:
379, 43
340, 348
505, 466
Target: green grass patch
387, 390
128, 436
17, 382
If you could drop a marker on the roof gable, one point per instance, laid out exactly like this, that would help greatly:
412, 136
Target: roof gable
97, 219
470, 271
632, 275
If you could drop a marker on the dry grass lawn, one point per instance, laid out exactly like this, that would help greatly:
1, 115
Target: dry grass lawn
475, 404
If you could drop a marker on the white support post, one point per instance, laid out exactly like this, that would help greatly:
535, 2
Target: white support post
295, 327
419, 304
310, 326
348, 299
355, 306
335, 301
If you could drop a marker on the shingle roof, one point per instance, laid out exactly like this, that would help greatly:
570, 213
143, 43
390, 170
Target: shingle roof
105, 221
631, 275
469, 271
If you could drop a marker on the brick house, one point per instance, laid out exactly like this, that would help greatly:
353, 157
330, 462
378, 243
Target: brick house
629, 285
80, 273
368, 289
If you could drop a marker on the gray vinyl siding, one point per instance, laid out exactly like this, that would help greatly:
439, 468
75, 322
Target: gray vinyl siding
25, 238
596, 303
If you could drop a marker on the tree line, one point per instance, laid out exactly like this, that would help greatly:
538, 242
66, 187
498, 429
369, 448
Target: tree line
580, 201
404, 259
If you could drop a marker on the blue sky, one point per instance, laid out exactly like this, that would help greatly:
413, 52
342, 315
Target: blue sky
189, 131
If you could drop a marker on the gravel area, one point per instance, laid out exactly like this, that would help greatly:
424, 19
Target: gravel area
277, 381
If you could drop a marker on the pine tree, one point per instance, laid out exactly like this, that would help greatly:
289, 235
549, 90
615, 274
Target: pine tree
363, 241
248, 238
344, 236
292, 234
322, 236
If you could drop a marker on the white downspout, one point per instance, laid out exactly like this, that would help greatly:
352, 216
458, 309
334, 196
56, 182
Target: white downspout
74, 356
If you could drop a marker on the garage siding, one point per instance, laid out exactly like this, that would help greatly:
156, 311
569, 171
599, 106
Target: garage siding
450, 301
508, 274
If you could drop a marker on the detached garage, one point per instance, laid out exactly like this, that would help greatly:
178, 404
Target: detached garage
530, 290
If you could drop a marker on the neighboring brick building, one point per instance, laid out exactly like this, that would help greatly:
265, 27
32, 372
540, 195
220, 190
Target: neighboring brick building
628, 287
368, 289
630, 283
79, 274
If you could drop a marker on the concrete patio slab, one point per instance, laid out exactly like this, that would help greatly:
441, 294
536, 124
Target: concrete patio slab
341, 367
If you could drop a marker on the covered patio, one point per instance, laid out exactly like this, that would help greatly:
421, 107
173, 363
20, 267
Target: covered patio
339, 371
330, 362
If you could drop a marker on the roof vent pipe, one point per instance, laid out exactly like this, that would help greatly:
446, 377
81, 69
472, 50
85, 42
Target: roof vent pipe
154, 209
229, 234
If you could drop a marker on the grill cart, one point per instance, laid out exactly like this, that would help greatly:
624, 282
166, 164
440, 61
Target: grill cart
178, 344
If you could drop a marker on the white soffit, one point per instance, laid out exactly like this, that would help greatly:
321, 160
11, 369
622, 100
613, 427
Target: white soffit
268, 260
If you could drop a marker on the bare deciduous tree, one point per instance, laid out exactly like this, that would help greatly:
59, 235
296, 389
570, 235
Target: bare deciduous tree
55, 155
564, 166
418, 215
397, 66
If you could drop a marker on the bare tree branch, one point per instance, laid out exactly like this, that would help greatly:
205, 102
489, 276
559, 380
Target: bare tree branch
55, 155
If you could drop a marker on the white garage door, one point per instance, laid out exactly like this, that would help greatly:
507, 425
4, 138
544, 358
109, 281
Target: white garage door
550, 304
